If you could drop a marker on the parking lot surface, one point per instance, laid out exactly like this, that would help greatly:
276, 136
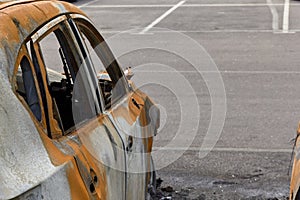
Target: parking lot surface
255, 46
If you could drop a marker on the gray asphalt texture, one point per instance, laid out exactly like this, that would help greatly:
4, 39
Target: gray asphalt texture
259, 64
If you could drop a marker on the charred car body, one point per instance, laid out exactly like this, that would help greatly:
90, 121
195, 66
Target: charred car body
295, 178
66, 131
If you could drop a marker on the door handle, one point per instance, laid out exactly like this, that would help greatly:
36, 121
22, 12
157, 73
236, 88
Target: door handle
135, 103
129, 144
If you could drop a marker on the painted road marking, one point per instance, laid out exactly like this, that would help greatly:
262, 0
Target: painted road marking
275, 21
186, 5
286, 16
161, 17
130, 6
269, 3
196, 31
86, 4
224, 149
223, 72
200, 31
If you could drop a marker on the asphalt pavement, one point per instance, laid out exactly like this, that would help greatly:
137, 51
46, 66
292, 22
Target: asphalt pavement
226, 76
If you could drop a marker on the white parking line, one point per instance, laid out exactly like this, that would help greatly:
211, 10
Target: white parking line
186, 5
275, 21
202, 31
224, 149
130, 6
161, 17
220, 31
87, 4
222, 72
196, 31
233, 5
286, 15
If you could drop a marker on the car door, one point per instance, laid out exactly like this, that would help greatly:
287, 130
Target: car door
75, 121
127, 108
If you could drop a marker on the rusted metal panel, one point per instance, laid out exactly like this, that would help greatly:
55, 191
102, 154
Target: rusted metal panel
23, 159
295, 176
108, 153
23, 18
140, 129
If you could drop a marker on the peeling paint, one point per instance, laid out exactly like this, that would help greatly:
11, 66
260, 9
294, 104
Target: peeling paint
106, 158
295, 176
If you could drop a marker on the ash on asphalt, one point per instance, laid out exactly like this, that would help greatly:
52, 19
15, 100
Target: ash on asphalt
219, 192
226, 176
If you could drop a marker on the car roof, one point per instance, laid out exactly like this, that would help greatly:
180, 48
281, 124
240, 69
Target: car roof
21, 19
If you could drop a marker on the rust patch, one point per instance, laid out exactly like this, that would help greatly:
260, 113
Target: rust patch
23, 18
295, 176
98, 174
295, 181
77, 187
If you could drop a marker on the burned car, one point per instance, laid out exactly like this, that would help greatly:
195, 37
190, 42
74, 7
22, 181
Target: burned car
73, 126
295, 176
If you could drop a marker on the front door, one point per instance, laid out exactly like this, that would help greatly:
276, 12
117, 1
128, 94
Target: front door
126, 108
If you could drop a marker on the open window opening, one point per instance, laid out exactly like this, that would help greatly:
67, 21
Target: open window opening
26, 88
68, 80
111, 80
61, 69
